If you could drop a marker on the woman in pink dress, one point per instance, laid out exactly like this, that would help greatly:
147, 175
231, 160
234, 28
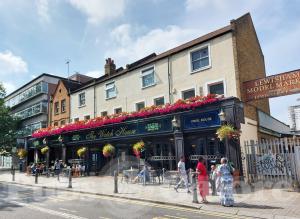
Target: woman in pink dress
202, 179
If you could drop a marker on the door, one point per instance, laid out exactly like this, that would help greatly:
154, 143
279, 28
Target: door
95, 163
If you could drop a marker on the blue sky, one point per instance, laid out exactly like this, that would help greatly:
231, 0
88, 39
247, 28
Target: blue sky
37, 36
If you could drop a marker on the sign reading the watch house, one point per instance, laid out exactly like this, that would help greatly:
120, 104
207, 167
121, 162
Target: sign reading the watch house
272, 86
136, 128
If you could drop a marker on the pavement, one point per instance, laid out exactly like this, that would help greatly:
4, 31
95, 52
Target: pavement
260, 203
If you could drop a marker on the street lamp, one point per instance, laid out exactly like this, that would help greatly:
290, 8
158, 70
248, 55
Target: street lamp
222, 116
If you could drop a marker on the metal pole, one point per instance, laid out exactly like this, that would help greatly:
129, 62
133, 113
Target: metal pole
70, 178
195, 195
13, 172
144, 176
115, 182
36, 176
58, 171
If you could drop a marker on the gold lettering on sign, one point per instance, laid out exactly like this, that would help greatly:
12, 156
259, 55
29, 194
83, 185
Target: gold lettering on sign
272, 86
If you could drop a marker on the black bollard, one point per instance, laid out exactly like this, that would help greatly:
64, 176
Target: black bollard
195, 195
58, 171
13, 173
36, 177
70, 178
116, 182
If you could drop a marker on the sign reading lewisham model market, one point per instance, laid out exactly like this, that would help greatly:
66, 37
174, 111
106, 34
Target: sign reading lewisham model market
272, 86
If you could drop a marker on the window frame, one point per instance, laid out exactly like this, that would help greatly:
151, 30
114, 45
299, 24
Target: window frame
143, 74
84, 117
103, 112
106, 89
221, 80
120, 107
136, 103
155, 98
79, 100
56, 109
61, 104
189, 89
190, 58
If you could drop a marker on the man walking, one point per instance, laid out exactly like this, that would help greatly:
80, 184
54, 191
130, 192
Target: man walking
182, 174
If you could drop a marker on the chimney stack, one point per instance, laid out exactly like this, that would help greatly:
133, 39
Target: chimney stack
109, 67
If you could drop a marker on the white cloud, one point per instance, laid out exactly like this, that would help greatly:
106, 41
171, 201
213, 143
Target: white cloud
94, 74
9, 87
43, 10
10, 63
127, 48
99, 10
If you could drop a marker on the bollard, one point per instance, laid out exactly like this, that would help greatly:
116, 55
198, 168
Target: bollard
195, 195
163, 175
58, 171
116, 182
70, 178
144, 178
36, 177
13, 172
48, 173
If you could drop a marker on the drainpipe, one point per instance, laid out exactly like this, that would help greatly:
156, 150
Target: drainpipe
95, 100
169, 82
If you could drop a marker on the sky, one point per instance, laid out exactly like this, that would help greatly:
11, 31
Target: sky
38, 36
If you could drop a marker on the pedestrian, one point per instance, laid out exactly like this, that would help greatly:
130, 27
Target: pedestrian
182, 175
212, 179
202, 179
57, 166
225, 184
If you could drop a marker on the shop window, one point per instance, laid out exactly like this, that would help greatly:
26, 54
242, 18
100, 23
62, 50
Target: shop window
159, 101
63, 106
104, 113
188, 94
87, 117
139, 106
62, 122
118, 110
56, 107
216, 88
148, 77
200, 59
81, 99
110, 90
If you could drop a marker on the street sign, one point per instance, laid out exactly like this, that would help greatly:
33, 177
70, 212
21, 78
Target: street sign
272, 86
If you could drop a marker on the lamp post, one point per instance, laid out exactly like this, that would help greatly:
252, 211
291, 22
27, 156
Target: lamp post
178, 138
222, 117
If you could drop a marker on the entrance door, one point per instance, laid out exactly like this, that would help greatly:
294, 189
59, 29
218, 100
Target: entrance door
95, 164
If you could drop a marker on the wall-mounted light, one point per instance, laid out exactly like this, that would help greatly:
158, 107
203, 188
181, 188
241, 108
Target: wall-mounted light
175, 123
222, 116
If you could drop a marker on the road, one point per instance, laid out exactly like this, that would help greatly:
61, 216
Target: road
18, 201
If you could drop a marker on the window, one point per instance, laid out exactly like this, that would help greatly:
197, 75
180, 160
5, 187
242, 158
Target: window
55, 123
104, 113
110, 90
87, 117
217, 88
199, 59
56, 107
62, 122
159, 101
76, 119
188, 94
118, 110
148, 78
82, 99
139, 106
63, 106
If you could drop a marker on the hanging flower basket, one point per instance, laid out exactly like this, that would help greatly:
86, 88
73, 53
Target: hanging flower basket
108, 150
22, 153
44, 150
81, 151
228, 131
138, 148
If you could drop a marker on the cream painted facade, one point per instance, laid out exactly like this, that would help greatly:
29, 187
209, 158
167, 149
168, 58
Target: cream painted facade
79, 112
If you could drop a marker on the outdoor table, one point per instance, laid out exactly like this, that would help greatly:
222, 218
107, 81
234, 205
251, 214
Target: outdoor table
131, 173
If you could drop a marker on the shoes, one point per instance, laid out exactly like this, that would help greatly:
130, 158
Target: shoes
175, 189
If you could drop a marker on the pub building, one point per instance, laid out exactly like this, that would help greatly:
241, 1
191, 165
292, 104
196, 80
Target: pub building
191, 133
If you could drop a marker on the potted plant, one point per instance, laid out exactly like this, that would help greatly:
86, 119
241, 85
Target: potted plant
138, 148
81, 151
108, 150
44, 150
227, 131
22, 153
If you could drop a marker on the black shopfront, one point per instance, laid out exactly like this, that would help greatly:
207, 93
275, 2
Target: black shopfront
167, 137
